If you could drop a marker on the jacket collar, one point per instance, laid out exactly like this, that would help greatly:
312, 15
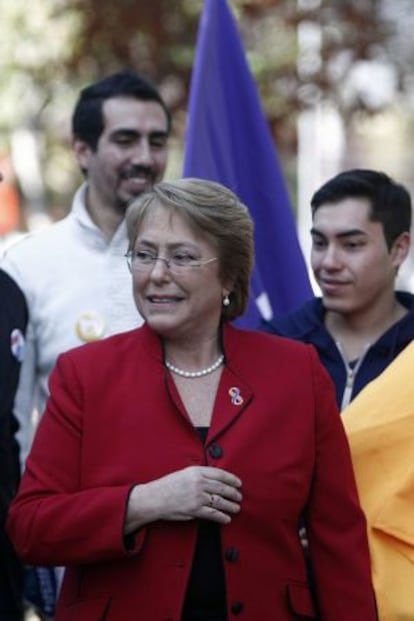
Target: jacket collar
93, 235
307, 324
233, 394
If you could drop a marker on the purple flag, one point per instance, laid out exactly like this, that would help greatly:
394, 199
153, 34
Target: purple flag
228, 140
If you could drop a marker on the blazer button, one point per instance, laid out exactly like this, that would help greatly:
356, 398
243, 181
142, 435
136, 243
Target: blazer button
215, 451
231, 555
237, 608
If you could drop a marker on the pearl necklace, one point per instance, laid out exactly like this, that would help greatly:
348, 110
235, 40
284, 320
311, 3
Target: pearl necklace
192, 374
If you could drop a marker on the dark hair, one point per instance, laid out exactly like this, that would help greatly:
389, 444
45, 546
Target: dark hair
390, 201
217, 213
87, 119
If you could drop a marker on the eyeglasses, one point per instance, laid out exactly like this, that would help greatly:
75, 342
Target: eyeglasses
144, 261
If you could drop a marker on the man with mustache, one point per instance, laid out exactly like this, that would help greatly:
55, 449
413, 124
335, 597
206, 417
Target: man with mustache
361, 222
74, 274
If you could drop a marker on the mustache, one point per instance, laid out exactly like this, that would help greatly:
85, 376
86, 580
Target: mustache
138, 170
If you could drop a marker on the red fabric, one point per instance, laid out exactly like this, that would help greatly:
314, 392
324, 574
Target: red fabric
115, 419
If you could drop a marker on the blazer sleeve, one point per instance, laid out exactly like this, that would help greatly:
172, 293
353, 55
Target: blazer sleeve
53, 519
336, 525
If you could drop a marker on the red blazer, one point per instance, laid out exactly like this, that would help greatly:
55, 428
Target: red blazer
115, 419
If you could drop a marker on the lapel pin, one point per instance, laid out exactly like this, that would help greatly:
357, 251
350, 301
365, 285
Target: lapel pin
235, 395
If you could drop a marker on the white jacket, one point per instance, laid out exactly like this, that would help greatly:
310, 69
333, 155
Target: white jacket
78, 288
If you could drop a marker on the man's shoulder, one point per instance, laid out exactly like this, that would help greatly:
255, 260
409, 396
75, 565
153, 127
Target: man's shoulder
9, 287
13, 309
263, 343
402, 331
299, 323
34, 242
405, 298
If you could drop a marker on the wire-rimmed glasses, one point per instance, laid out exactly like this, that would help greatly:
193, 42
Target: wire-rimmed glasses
177, 263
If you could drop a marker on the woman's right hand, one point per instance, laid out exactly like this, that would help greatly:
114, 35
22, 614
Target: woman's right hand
194, 492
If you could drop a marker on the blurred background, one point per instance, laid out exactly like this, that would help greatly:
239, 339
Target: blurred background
335, 77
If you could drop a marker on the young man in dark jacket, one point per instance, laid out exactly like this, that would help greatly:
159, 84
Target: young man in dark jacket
361, 222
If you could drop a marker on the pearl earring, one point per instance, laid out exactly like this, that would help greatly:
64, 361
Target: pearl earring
226, 300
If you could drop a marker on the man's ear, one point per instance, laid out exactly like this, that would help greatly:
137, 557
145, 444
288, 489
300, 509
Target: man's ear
400, 249
82, 152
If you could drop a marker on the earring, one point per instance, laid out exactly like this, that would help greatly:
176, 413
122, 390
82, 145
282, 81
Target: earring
226, 300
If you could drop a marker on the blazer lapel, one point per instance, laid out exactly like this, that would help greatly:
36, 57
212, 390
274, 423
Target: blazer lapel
233, 397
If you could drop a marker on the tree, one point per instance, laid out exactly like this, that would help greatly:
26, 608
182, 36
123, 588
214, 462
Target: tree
49, 53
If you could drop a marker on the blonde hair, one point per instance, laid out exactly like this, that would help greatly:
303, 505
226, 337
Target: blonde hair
216, 212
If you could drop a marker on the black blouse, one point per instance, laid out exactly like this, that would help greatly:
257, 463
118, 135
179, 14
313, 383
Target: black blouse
206, 594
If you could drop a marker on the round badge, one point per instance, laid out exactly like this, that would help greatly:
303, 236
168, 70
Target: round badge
17, 344
90, 327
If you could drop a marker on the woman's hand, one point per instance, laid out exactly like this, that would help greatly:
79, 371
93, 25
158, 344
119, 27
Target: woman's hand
194, 492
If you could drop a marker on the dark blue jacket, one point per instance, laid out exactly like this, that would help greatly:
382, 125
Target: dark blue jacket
13, 320
306, 325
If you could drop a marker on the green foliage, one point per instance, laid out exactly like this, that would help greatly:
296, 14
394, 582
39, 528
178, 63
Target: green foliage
300, 51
